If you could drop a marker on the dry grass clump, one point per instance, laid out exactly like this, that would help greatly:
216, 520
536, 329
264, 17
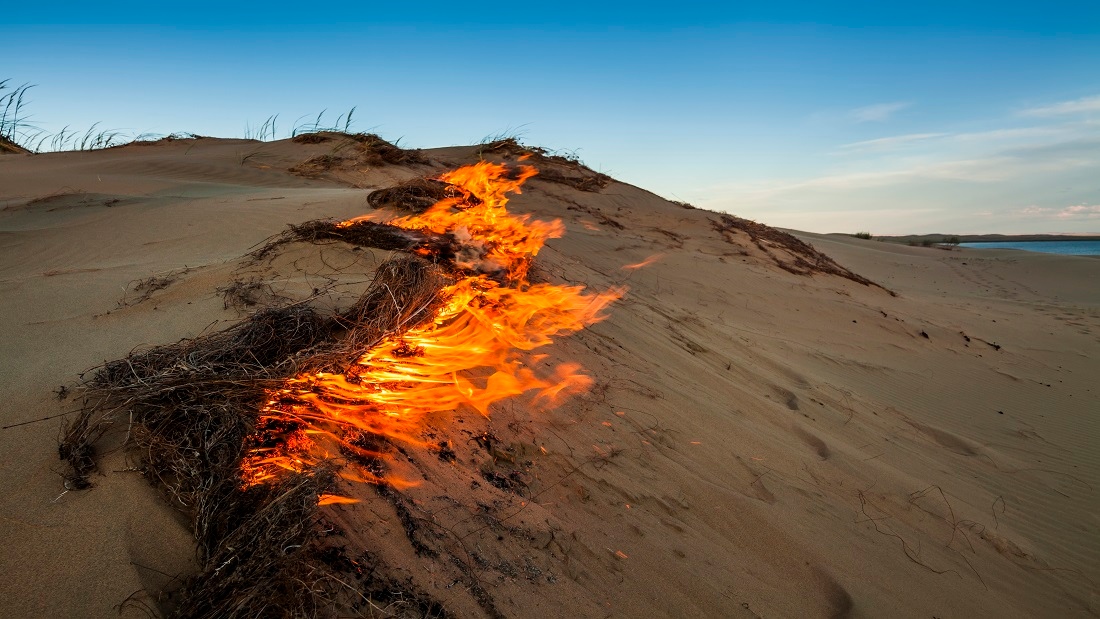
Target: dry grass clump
361, 234
803, 259
416, 195
13, 122
311, 138
20, 136
356, 150
562, 169
404, 293
190, 411
242, 294
143, 289
147, 139
317, 165
229, 371
376, 151
588, 181
259, 551
8, 147
193, 390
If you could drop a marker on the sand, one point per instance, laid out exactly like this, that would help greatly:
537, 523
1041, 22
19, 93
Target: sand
757, 442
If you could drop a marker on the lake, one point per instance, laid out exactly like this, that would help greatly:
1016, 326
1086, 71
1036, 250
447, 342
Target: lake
1069, 248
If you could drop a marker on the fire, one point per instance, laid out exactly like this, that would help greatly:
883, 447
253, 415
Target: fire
644, 263
478, 349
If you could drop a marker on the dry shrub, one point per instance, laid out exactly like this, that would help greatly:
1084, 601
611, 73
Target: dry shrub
575, 174
311, 138
275, 560
317, 165
404, 293
181, 388
259, 553
191, 409
361, 234
178, 388
592, 182
803, 258
355, 151
506, 146
415, 195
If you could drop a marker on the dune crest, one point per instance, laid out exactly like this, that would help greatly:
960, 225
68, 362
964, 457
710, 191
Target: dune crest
762, 436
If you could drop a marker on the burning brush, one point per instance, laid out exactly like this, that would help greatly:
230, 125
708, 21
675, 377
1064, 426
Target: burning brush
474, 350
248, 429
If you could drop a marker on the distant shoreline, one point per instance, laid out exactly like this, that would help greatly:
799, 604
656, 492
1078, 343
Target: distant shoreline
986, 238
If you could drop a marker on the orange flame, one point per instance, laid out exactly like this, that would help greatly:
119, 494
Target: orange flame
644, 263
474, 353
333, 499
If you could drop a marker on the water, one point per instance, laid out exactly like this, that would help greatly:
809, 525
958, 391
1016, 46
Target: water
1068, 248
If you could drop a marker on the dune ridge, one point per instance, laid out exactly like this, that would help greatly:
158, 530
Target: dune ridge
757, 442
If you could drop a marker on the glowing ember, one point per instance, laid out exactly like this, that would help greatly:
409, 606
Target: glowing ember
475, 352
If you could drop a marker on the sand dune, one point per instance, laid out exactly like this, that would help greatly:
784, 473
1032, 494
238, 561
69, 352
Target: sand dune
756, 442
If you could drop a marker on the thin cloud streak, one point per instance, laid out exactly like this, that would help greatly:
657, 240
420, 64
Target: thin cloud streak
975, 138
1077, 106
1077, 211
991, 169
941, 180
889, 143
973, 182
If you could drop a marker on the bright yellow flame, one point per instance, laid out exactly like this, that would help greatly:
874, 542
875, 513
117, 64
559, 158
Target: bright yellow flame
474, 353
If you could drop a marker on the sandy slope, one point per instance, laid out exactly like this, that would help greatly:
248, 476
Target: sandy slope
758, 443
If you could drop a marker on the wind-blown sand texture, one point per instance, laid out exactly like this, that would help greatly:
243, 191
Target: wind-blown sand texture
758, 442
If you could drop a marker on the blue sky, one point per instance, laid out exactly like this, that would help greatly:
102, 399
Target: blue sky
923, 117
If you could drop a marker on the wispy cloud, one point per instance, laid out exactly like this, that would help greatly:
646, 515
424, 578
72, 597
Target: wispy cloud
1082, 132
994, 136
878, 112
1076, 106
889, 143
976, 178
994, 168
1076, 211
974, 192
